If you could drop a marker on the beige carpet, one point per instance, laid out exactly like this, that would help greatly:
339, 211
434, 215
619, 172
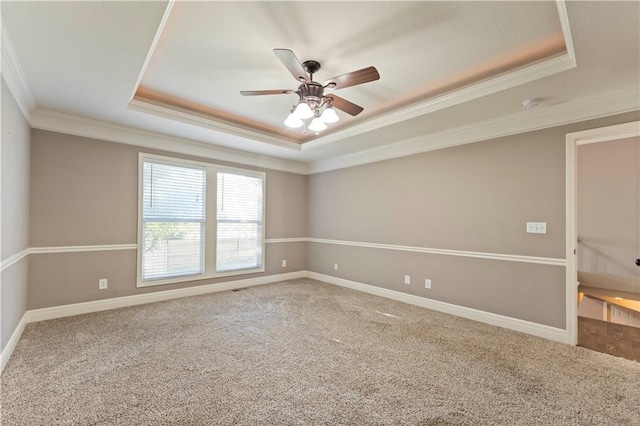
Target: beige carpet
304, 352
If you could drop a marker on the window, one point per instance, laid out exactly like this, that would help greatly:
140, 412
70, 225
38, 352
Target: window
173, 221
239, 213
197, 221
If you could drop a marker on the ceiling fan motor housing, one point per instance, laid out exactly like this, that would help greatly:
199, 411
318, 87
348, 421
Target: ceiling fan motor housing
311, 93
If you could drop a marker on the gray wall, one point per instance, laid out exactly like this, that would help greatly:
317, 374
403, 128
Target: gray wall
609, 214
15, 213
476, 197
84, 192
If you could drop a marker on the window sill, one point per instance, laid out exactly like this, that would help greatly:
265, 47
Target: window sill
185, 279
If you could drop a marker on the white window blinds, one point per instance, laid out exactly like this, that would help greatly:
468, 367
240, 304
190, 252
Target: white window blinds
173, 220
239, 221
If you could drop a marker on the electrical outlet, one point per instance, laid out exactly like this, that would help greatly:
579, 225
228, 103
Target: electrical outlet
407, 279
427, 283
284, 263
102, 284
335, 266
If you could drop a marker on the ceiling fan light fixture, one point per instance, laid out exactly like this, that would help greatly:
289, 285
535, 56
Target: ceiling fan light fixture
312, 103
317, 125
293, 121
329, 116
303, 111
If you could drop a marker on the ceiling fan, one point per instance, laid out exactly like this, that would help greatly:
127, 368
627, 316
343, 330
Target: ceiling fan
313, 102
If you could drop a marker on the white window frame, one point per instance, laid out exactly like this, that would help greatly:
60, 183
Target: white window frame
248, 173
210, 233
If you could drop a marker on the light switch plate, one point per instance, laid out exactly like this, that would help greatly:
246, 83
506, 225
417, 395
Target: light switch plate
536, 227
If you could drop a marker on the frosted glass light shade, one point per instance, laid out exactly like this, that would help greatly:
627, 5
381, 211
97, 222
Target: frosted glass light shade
329, 116
303, 111
293, 121
317, 125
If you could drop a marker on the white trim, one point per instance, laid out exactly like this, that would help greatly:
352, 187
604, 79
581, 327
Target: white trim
13, 259
582, 109
208, 122
429, 250
487, 87
209, 261
62, 249
571, 275
466, 94
586, 108
13, 341
604, 134
157, 296
286, 240
86, 127
540, 330
154, 43
15, 77
566, 30
499, 83
75, 249
504, 81
475, 254
44, 314
601, 134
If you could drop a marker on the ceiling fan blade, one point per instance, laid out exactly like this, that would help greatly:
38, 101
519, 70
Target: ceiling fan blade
265, 92
344, 105
288, 58
364, 75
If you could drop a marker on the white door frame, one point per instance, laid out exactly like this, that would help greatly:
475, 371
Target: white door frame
620, 131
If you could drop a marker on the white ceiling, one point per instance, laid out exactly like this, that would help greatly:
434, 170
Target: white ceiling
444, 66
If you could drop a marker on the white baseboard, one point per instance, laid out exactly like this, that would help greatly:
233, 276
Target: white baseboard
13, 341
515, 324
158, 296
540, 330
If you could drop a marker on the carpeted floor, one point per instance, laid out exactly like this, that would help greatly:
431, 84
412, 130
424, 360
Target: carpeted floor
305, 352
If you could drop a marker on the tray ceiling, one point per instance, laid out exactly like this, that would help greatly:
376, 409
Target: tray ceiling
207, 52
167, 75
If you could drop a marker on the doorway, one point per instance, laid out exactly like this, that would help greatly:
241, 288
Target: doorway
603, 239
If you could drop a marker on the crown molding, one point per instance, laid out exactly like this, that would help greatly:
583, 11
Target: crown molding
469, 93
502, 82
14, 76
586, 108
566, 30
499, 83
81, 126
505, 81
154, 43
582, 109
187, 117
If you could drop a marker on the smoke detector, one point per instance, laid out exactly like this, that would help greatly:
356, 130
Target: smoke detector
531, 103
